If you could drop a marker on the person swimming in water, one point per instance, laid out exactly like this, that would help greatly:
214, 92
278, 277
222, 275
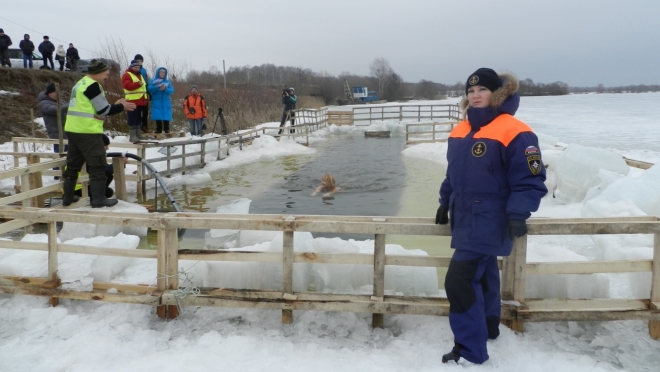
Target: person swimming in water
328, 185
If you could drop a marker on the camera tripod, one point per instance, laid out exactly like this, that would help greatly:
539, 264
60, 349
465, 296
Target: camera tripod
223, 125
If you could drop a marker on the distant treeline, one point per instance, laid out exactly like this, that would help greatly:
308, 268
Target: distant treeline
390, 86
623, 89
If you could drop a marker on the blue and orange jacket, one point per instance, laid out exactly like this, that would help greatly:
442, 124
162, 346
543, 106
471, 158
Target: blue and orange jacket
494, 174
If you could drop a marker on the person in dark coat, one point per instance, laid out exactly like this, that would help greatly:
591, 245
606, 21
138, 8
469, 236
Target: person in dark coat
27, 47
495, 179
161, 90
289, 100
5, 43
72, 58
47, 103
46, 48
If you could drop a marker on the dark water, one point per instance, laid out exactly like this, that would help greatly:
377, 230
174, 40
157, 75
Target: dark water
369, 171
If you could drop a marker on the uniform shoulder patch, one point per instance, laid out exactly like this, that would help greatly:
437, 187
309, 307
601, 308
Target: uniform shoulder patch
479, 149
531, 150
534, 163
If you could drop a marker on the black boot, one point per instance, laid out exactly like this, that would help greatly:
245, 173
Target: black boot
453, 355
69, 189
166, 125
493, 324
97, 191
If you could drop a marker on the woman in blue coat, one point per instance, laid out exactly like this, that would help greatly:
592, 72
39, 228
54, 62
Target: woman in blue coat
495, 179
161, 89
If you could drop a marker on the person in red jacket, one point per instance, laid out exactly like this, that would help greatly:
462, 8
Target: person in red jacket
135, 91
194, 106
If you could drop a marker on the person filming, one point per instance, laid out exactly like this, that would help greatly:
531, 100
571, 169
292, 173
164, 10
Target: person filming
289, 99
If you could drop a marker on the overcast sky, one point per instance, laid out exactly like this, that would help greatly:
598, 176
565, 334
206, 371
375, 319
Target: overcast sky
579, 42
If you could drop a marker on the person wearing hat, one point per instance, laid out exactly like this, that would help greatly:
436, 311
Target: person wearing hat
194, 106
46, 48
135, 91
84, 127
289, 99
5, 43
144, 114
27, 48
47, 104
495, 179
72, 57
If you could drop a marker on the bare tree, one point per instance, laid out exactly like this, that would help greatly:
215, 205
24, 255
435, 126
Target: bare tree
427, 89
176, 68
114, 50
380, 69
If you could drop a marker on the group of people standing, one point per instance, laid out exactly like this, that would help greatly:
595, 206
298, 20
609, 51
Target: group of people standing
69, 57
139, 89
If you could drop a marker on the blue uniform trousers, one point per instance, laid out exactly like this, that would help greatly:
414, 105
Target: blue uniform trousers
473, 289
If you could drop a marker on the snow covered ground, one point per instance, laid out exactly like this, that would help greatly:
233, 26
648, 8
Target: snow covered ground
588, 182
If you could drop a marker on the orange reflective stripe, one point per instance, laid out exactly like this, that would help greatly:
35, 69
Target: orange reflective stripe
460, 130
503, 129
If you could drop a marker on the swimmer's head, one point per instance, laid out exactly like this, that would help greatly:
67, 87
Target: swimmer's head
328, 181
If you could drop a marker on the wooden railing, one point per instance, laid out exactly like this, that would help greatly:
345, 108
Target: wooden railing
517, 309
419, 133
422, 112
28, 179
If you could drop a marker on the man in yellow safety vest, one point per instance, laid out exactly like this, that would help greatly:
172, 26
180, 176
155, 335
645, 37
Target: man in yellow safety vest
88, 108
135, 91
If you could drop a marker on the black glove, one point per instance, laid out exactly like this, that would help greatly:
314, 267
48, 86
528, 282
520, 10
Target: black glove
516, 229
442, 216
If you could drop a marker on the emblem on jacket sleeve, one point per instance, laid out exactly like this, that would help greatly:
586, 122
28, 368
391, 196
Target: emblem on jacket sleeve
531, 150
474, 79
534, 163
479, 149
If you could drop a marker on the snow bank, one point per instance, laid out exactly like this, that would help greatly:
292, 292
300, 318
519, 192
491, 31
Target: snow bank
88, 230
578, 170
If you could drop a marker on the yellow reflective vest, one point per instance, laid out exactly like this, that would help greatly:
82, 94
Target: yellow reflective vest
81, 116
132, 95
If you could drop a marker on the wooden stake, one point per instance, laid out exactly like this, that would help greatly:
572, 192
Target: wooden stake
378, 320
654, 325
287, 272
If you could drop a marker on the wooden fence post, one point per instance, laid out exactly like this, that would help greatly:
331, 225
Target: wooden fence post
377, 320
513, 279
53, 279
36, 181
654, 325
120, 178
287, 273
168, 269
17, 179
